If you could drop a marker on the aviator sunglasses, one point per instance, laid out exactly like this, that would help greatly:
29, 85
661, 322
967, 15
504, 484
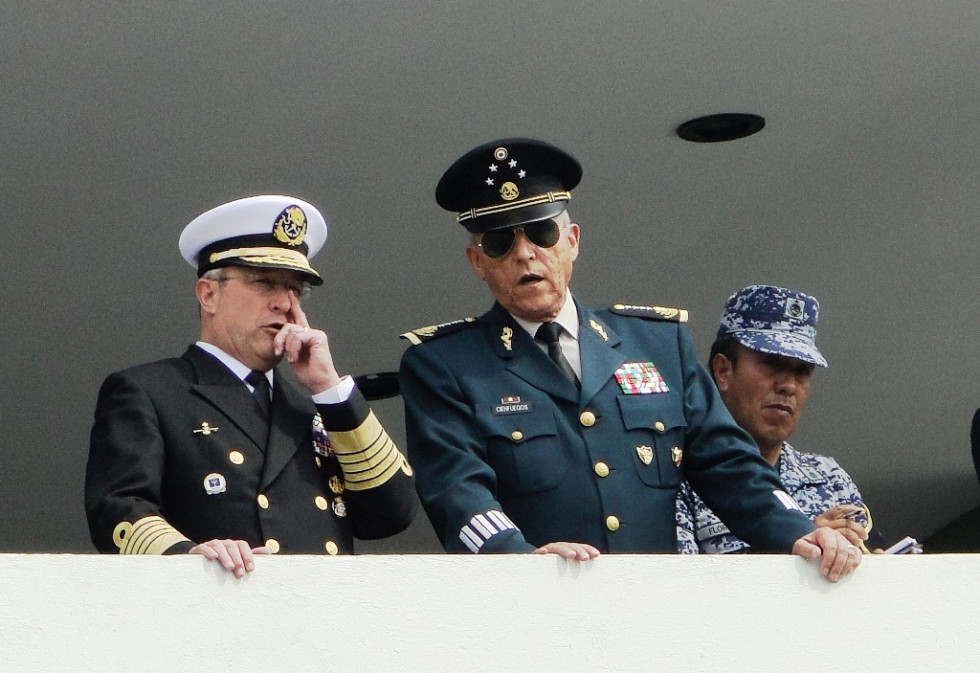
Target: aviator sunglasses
498, 242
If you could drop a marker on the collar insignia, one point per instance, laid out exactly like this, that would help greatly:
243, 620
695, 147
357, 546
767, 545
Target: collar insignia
505, 336
599, 330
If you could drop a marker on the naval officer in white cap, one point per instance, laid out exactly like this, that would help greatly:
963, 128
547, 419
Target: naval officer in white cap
215, 452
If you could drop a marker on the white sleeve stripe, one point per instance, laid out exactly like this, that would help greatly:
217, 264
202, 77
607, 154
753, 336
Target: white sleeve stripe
470, 539
482, 527
481, 523
787, 500
503, 520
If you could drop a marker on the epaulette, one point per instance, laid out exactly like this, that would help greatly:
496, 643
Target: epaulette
651, 312
417, 336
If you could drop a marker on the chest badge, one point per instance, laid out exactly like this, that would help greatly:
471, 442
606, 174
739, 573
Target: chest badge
206, 429
640, 378
215, 483
676, 455
645, 453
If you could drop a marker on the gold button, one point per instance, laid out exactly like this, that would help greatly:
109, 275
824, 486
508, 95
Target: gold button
263, 501
612, 523
236, 457
517, 435
587, 419
602, 469
659, 426
273, 545
321, 503
331, 547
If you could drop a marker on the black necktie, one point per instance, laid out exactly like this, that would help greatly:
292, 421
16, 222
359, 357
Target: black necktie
261, 393
548, 334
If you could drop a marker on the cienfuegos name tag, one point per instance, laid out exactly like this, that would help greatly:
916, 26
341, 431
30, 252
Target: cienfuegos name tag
511, 405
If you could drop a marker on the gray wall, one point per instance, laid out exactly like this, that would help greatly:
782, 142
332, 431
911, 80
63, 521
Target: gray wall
122, 121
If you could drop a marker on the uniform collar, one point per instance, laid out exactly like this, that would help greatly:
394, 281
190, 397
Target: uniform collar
238, 368
567, 317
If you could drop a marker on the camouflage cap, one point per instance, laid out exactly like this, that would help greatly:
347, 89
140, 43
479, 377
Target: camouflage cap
775, 320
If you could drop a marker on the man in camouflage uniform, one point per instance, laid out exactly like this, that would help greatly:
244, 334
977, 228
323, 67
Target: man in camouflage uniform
762, 361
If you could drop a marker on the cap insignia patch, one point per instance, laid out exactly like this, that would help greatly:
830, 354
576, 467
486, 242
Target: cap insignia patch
290, 226
509, 191
795, 308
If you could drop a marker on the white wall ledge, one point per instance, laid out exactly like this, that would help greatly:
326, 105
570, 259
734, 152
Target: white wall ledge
502, 613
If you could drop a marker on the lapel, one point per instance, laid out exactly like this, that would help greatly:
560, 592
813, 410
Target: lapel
598, 348
522, 357
221, 388
292, 427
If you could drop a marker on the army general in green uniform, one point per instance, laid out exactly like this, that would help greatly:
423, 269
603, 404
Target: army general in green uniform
543, 426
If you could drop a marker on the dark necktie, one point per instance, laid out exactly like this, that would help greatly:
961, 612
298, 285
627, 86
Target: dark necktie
548, 334
261, 393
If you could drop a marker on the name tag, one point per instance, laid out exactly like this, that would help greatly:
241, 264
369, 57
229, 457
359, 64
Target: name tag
511, 405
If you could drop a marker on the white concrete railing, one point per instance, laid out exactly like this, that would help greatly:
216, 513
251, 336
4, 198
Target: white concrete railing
501, 613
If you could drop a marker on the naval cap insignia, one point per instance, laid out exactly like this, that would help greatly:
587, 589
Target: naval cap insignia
290, 226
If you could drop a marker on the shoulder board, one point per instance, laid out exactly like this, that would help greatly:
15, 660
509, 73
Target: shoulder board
417, 336
651, 312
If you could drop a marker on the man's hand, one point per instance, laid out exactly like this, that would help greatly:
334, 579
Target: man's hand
574, 551
235, 556
838, 557
837, 518
307, 351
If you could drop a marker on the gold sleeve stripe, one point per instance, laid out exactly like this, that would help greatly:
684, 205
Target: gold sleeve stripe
363, 475
149, 535
367, 455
